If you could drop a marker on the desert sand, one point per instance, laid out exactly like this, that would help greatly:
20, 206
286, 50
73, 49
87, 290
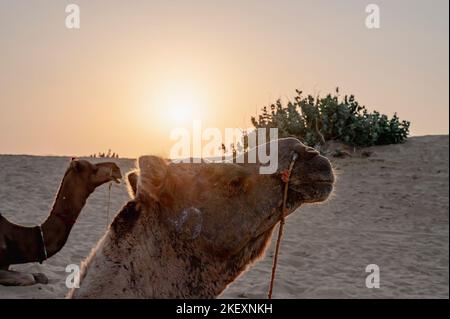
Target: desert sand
390, 209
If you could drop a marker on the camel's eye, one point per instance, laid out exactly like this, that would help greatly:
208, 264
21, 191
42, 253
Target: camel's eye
236, 183
237, 186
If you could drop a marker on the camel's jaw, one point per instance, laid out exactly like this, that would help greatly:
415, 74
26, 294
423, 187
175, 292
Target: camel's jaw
298, 194
313, 192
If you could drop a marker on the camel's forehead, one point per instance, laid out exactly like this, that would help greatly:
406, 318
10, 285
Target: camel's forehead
216, 167
187, 168
204, 174
191, 170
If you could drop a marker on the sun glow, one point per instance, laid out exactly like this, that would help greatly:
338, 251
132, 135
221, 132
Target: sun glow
180, 104
180, 111
172, 102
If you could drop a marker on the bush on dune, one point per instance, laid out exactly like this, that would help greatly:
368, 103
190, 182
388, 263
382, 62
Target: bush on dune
316, 120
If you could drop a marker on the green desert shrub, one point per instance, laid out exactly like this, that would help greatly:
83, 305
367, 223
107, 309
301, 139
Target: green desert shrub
315, 120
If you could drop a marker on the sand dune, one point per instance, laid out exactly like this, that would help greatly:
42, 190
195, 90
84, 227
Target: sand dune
390, 209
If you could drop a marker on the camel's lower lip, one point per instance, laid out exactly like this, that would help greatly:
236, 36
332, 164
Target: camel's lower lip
313, 191
312, 183
320, 182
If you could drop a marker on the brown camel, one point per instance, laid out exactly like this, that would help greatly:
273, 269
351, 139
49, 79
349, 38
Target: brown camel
191, 229
19, 244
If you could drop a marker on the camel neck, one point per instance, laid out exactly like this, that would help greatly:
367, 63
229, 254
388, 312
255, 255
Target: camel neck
158, 268
69, 202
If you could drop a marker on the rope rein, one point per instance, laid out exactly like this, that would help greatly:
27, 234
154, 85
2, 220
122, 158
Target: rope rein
44, 247
285, 176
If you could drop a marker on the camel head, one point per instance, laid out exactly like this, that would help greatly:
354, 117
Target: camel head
227, 211
90, 176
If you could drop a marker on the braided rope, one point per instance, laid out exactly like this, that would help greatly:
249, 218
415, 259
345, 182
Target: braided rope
285, 176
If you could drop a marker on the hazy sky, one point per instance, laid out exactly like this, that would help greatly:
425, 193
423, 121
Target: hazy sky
116, 82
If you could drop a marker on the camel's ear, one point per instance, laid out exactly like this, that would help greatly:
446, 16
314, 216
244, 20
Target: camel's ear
75, 164
132, 180
153, 172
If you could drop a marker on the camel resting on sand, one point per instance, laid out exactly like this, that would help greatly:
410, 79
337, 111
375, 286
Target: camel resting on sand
191, 229
19, 244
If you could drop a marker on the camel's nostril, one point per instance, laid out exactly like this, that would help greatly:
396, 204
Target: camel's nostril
309, 153
305, 152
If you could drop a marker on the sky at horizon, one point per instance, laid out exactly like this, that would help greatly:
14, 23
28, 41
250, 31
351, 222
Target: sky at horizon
137, 69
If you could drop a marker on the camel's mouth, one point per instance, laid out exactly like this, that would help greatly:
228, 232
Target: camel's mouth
314, 192
298, 185
315, 182
116, 175
117, 178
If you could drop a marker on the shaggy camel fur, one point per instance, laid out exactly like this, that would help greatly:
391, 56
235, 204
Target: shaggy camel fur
19, 244
191, 229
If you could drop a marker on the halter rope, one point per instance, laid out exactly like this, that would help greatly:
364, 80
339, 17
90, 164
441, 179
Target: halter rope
44, 248
285, 176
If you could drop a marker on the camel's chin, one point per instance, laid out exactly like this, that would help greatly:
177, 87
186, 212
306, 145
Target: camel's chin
314, 192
